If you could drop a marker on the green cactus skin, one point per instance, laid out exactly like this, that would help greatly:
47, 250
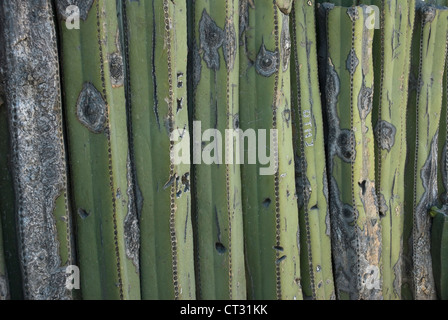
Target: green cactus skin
312, 186
356, 228
269, 201
439, 250
392, 68
425, 106
95, 110
156, 72
220, 266
32, 91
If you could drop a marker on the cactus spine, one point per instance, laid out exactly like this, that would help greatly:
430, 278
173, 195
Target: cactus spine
269, 201
356, 230
32, 89
108, 236
218, 213
312, 186
156, 72
425, 105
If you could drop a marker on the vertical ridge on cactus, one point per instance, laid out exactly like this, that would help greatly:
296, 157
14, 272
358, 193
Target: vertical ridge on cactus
32, 89
392, 68
95, 110
269, 201
356, 229
218, 212
155, 72
425, 105
312, 185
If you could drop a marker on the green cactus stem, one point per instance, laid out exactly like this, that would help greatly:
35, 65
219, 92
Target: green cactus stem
356, 228
312, 184
425, 106
270, 207
439, 250
101, 174
218, 211
154, 39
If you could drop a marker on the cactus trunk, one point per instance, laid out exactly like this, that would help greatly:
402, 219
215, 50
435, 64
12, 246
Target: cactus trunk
269, 201
32, 90
356, 228
102, 185
155, 72
425, 105
312, 184
218, 211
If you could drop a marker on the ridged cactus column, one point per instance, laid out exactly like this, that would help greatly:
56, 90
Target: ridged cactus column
103, 192
425, 106
269, 194
392, 66
312, 184
155, 51
217, 192
356, 226
31, 73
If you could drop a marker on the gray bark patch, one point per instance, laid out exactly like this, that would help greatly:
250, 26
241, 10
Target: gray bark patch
385, 135
211, 39
267, 62
285, 42
91, 108
229, 46
116, 69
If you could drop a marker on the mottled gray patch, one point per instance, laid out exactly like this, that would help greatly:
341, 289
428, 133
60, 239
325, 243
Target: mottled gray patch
131, 222
266, 63
29, 59
325, 191
443, 170
344, 145
352, 61
211, 39
4, 288
244, 19
229, 46
285, 42
91, 108
385, 135
422, 260
303, 185
428, 13
83, 5
353, 13
116, 69
365, 101
344, 244
382, 205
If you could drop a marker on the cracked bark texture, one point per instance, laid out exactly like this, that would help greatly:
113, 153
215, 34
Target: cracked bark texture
31, 74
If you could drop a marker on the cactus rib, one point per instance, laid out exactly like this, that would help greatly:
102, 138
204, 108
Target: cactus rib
108, 235
218, 213
38, 152
312, 181
269, 204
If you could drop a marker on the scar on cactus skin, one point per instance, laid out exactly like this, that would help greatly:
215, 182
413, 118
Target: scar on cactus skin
267, 62
211, 39
91, 108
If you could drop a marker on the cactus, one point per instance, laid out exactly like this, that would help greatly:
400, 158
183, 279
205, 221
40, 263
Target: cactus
356, 229
439, 249
425, 105
269, 201
155, 71
392, 68
312, 184
102, 185
218, 216
32, 89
